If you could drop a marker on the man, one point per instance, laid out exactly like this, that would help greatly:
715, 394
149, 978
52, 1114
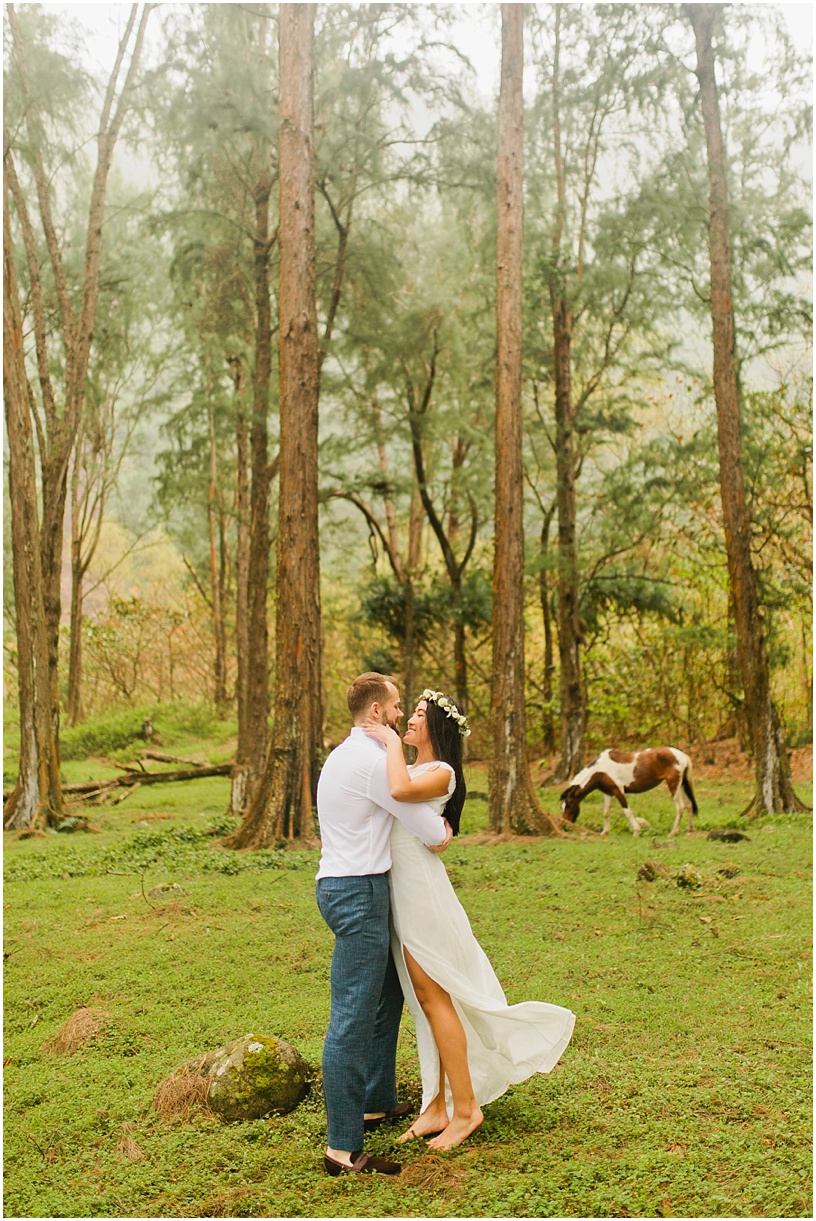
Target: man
355, 808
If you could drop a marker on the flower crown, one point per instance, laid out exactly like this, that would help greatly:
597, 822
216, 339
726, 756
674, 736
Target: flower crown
448, 707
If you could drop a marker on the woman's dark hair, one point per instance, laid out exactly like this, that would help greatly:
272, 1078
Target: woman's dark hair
446, 742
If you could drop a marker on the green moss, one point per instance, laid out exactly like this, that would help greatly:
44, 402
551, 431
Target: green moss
257, 1075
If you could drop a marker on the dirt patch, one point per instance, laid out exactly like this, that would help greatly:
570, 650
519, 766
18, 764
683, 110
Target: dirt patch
802, 764
570, 831
725, 759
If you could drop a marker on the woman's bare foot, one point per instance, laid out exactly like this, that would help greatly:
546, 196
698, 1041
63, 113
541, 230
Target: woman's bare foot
432, 1120
459, 1129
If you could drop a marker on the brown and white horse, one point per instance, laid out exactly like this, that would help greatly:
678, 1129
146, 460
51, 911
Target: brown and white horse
617, 772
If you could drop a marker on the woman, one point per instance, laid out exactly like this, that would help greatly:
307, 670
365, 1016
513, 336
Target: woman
466, 1032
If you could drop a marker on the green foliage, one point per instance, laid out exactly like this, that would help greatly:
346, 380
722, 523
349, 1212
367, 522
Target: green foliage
381, 661
624, 594
102, 734
406, 191
116, 730
383, 604
177, 851
676, 1094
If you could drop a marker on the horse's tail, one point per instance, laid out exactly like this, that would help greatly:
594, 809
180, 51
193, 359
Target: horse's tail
689, 791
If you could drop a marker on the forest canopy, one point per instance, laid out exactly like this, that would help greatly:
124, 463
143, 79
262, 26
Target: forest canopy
144, 244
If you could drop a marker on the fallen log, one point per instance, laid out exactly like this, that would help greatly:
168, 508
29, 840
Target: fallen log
96, 788
153, 754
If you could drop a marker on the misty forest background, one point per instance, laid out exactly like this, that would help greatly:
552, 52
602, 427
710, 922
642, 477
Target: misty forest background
161, 434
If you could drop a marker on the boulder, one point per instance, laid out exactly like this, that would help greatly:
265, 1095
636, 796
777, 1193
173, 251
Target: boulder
255, 1076
689, 876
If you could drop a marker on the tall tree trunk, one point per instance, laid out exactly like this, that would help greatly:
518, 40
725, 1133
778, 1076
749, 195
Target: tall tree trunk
571, 694
216, 590
736, 723
75, 711
774, 788
91, 480
571, 691
37, 799
512, 803
547, 721
253, 737
282, 807
239, 771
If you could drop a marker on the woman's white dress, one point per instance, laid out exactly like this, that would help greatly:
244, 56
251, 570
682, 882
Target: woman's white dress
506, 1043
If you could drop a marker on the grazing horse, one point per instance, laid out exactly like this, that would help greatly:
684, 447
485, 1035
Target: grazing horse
616, 772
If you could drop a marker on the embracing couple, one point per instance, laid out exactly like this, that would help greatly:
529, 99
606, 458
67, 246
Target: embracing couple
400, 932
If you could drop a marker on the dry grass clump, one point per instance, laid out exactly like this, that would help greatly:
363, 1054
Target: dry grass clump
432, 1173
81, 1026
127, 1150
182, 1092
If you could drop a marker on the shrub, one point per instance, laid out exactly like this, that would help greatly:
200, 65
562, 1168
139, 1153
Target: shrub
102, 734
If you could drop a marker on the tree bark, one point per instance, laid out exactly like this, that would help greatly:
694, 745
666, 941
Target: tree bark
253, 728
571, 694
75, 711
216, 584
36, 800
571, 691
547, 722
774, 787
282, 807
239, 771
512, 803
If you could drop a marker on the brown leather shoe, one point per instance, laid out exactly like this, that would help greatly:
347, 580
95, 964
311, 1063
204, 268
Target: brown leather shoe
361, 1163
395, 1115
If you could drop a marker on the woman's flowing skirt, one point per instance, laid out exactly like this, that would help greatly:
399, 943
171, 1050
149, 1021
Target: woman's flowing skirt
506, 1043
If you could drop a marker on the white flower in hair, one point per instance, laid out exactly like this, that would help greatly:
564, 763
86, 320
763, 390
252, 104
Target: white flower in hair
448, 707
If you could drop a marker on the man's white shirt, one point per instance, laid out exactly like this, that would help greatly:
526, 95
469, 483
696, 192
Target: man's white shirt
355, 807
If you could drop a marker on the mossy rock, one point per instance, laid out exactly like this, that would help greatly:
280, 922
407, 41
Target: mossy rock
689, 877
255, 1076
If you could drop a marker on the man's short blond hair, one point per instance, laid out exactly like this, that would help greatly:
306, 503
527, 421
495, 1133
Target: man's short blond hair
367, 689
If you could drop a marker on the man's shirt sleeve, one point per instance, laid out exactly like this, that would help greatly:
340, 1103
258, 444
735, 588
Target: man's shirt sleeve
418, 817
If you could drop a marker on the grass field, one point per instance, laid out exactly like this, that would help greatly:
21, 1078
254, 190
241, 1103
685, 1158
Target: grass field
686, 1090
